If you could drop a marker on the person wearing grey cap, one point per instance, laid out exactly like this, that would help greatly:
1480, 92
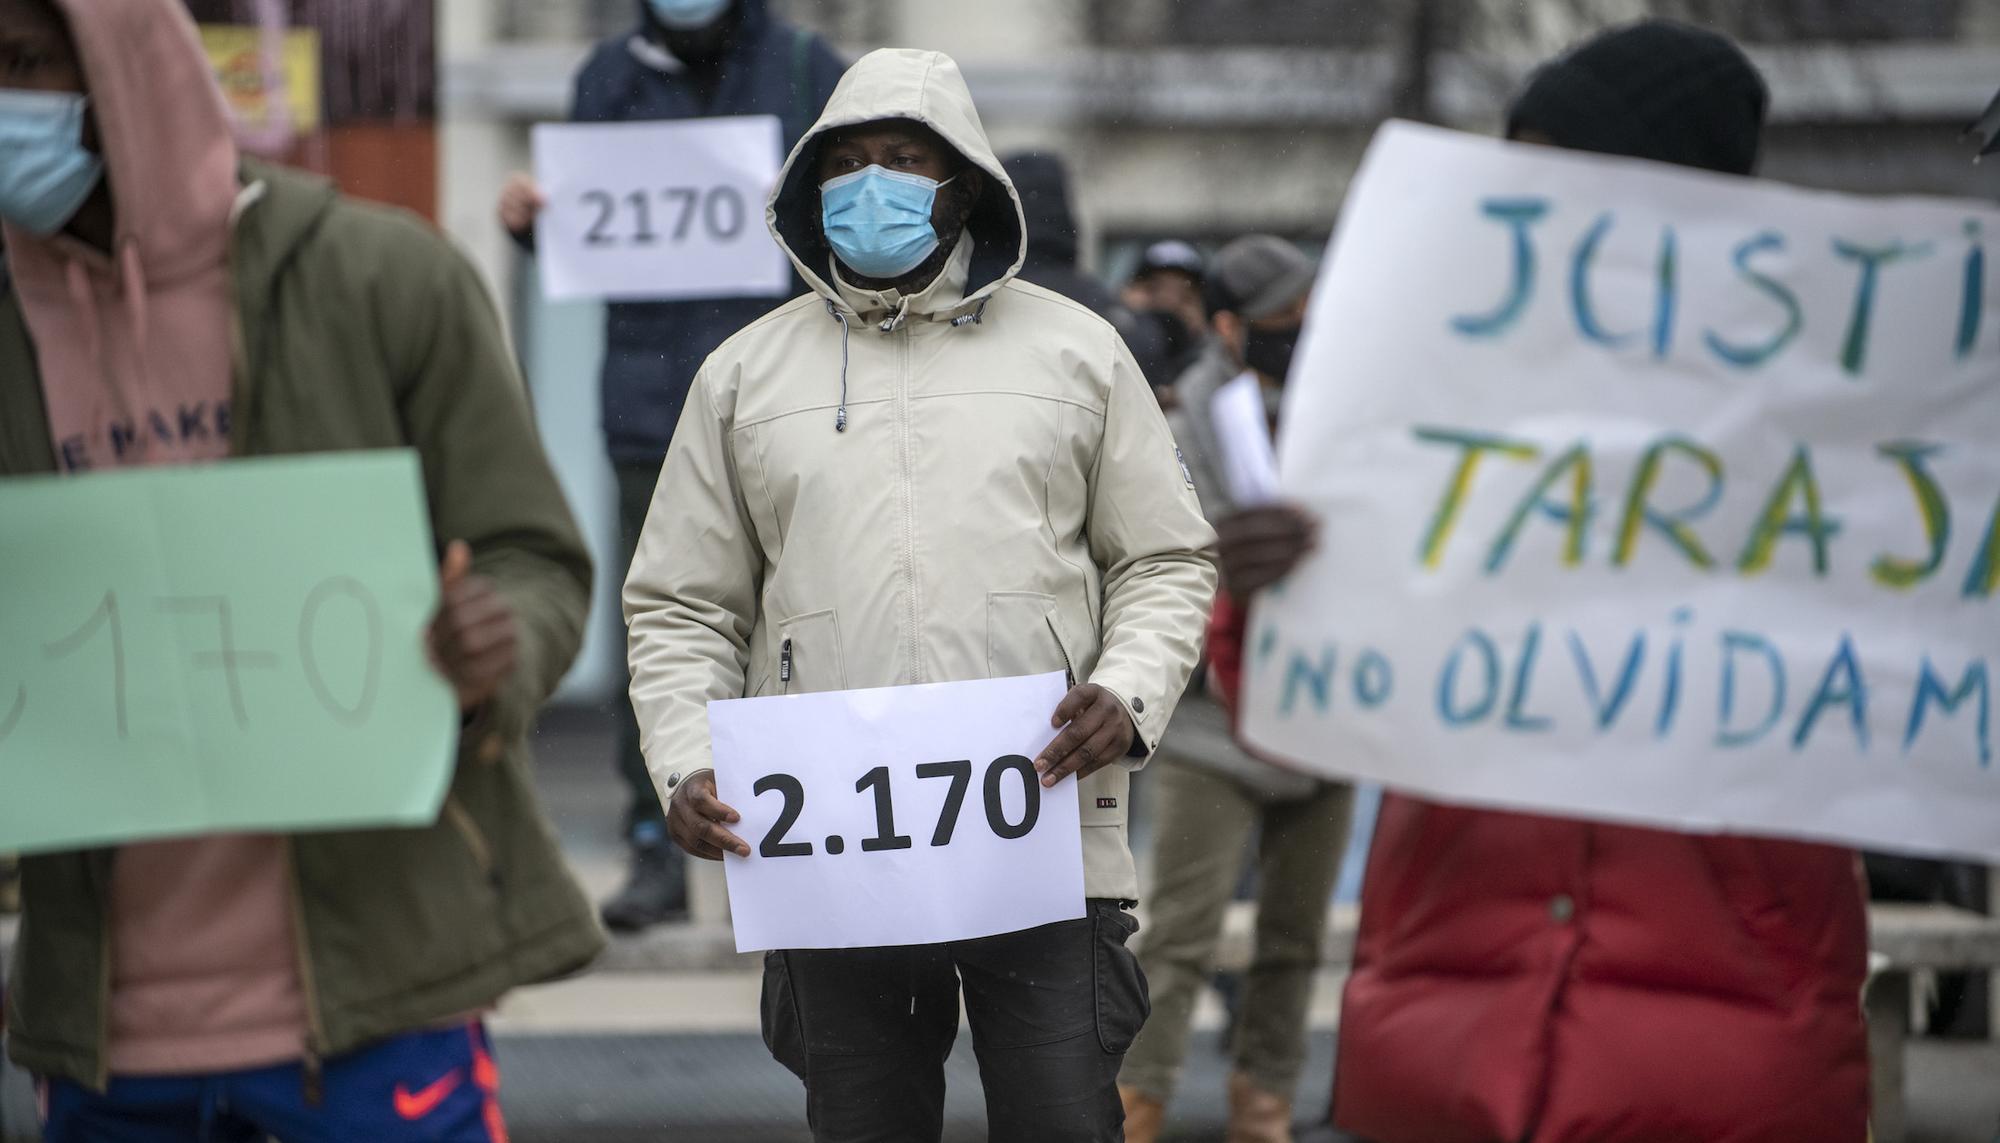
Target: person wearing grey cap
1255, 297
1213, 797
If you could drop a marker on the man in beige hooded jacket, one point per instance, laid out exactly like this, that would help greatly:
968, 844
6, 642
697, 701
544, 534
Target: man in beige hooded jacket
932, 474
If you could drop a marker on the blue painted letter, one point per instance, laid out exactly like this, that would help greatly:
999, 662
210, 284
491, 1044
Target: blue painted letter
1518, 214
1732, 642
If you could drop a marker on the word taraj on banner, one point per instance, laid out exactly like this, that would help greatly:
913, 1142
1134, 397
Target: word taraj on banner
1648, 495
226, 647
896, 816
659, 211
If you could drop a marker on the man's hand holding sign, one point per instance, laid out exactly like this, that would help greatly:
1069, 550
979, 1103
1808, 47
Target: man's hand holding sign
472, 640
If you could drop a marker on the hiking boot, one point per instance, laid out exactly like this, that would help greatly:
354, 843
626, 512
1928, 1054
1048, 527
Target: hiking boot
655, 891
1256, 1115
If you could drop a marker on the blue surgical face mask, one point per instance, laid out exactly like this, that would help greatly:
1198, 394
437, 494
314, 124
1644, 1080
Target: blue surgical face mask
688, 15
879, 222
46, 173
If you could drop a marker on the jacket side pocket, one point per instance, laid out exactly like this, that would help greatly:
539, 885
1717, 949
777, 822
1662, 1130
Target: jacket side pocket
1019, 638
810, 657
1123, 1002
467, 828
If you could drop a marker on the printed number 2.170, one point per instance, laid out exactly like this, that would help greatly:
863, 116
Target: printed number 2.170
631, 219
876, 781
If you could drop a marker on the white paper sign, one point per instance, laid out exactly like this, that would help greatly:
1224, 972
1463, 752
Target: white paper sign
896, 816
1647, 495
1243, 436
659, 211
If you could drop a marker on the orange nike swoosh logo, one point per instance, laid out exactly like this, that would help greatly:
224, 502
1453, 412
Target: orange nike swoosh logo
421, 1104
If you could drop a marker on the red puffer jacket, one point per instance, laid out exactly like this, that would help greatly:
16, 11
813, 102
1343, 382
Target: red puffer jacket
1553, 981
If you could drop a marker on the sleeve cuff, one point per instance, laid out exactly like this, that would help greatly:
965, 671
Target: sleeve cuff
677, 778
1146, 729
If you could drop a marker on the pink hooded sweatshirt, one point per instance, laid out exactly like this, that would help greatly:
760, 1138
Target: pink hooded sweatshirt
134, 347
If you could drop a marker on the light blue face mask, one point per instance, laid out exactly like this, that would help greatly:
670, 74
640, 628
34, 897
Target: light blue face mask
879, 222
688, 15
46, 173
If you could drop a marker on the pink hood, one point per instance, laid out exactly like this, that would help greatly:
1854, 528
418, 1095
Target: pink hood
134, 347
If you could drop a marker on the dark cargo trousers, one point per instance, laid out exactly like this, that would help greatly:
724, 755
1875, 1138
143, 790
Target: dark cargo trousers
1052, 1011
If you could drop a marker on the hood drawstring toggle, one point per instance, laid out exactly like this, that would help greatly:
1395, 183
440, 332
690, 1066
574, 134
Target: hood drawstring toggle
840, 414
893, 323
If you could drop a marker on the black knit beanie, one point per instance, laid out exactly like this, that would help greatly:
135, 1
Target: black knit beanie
1652, 90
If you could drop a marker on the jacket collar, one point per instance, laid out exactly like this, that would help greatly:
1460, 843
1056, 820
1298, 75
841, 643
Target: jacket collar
942, 300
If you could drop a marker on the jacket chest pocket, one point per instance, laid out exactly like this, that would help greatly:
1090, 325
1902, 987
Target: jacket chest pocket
809, 654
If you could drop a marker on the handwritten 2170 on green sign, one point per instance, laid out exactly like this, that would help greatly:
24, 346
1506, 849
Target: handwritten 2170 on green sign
220, 648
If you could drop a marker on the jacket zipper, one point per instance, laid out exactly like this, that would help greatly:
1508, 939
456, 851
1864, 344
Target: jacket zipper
104, 986
1069, 668
909, 505
785, 667
474, 837
312, 1069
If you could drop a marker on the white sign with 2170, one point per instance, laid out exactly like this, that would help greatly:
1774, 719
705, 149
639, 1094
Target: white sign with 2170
896, 816
659, 211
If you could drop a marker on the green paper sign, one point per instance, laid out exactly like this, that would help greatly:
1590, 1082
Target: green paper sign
228, 647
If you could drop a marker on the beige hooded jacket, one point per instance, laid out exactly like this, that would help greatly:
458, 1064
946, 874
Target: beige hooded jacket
872, 490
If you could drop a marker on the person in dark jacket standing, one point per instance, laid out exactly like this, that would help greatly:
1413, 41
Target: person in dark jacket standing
688, 59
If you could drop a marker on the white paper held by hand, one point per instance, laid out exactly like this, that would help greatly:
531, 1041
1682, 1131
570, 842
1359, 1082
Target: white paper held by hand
896, 816
659, 211
1243, 434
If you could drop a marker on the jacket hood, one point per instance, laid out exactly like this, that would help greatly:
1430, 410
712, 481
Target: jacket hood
926, 87
128, 335
1043, 184
168, 152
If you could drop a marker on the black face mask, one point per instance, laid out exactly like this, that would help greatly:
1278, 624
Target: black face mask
1269, 351
1174, 333
699, 48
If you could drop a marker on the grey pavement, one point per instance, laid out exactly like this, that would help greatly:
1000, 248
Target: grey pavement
725, 1088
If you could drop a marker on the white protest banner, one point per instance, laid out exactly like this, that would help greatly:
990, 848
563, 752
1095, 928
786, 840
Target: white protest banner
659, 211
1648, 495
896, 816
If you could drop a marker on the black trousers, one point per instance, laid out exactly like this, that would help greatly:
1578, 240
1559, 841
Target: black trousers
1052, 1011
645, 817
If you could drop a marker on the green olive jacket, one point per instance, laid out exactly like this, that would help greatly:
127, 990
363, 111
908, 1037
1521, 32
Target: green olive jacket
361, 328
